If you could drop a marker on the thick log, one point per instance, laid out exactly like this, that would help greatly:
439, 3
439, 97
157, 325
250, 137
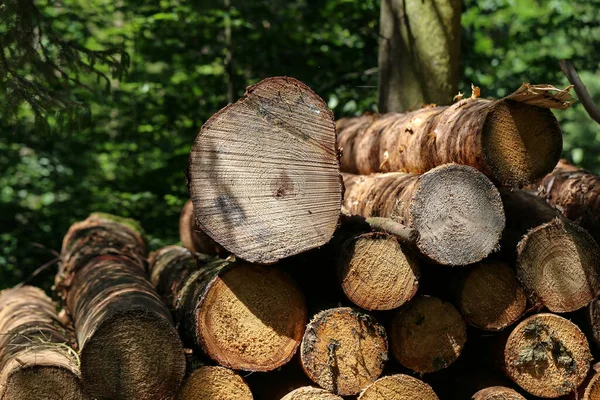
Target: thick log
593, 313
550, 248
344, 350
36, 357
512, 140
243, 316
455, 209
547, 355
310, 393
490, 296
592, 388
398, 387
129, 347
264, 173
576, 193
214, 383
192, 237
427, 334
497, 393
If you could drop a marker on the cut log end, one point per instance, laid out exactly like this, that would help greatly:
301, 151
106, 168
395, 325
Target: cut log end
192, 238
551, 252
264, 173
592, 390
376, 273
114, 362
42, 382
547, 355
491, 297
214, 383
458, 213
252, 318
427, 334
398, 387
497, 393
310, 393
344, 350
521, 143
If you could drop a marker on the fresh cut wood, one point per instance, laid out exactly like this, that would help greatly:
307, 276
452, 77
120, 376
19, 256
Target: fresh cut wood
398, 387
214, 383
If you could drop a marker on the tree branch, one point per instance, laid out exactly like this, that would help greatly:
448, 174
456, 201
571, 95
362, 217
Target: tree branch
582, 92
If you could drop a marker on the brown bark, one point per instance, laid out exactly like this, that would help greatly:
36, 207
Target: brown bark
512, 140
243, 316
264, 173
344, 350
129, 347
550, 248
576, 193
192, 238
310, 393
593, 313
36, 357
214, 383
497, 393
427, 334
490, 296
455, 209
547, 355
398, 387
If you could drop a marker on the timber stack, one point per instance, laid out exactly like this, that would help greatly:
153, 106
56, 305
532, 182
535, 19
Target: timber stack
443, 253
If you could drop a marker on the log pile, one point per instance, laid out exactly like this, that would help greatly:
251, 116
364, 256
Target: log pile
435, 275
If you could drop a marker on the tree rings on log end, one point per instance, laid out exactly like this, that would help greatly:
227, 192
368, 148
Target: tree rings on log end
214, 383
344, 350
310, 393
264, 173
547, 355
398, 387
497, 393
192, 238
43, 382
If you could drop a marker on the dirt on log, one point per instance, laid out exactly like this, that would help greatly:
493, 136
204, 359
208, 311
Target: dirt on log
549, 248
455, 209
129, 347
310, 393
344, 350
547, 355
214, 383
36, 357
244, 316
398, 387
515, 140
264, 173
497, 393
192, 238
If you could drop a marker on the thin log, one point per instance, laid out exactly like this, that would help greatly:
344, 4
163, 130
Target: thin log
264, 173
398, 387
497, 393
36, 357
310, 393
582, 93
214, 383
192, 238
455, 209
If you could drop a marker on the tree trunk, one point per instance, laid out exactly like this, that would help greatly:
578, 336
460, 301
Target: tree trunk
497, 393
547, 355
418, 53
398, 387
192, 238
245, 317
427, 334
455, 209
344, 350
550, 248
310, 393
512, 140
36, 357
214, 383
129, 348
264, 173
576, 193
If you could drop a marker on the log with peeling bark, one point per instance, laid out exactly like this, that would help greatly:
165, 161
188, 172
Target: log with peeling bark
576, 193
398, 387
344, 350
547, 355
310, 393
427, 334
36, 357
497, 393
264, 173
455, 209
129, 347
193, 238
243, 316
214, 383
550, 248
514, 141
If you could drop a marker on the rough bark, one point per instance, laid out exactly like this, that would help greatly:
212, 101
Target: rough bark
214, 383
344, 350
427, 334
550, 248
192, 238
593, 312
547, 355
36, 357
497, 393
576, 193
243, 316
310, 393
264, 173
514, 141
455, 209
129, 347
398, 387
418, 53
490, 296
